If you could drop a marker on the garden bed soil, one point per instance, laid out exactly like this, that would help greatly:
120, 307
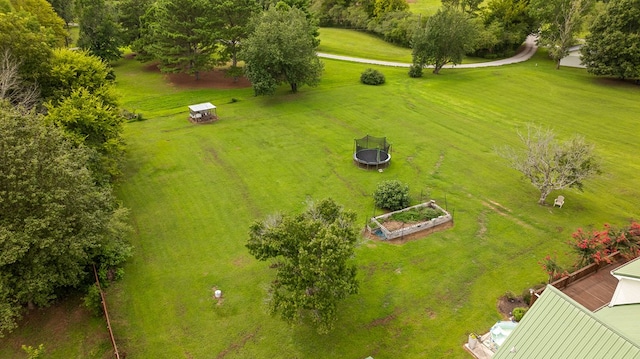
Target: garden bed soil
506, 306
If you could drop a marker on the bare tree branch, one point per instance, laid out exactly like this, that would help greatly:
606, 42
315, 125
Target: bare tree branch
551, 165
12, 88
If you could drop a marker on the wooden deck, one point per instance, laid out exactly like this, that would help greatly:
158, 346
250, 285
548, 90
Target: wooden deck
595, 290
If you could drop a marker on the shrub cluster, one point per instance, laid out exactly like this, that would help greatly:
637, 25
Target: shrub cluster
518, 313
415, 71
595, 246
372, 77
392, 195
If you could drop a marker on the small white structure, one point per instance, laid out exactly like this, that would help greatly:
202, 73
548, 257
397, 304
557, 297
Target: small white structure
217, 293
202, 112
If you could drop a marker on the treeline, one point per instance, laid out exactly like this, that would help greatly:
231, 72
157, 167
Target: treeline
61, 149
501, 25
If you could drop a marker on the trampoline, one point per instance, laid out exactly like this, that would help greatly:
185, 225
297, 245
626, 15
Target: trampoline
372, 152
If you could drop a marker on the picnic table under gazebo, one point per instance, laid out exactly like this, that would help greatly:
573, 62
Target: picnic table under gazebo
202, 112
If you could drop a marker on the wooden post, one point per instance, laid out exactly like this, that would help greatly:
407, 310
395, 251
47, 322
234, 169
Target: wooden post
106, 314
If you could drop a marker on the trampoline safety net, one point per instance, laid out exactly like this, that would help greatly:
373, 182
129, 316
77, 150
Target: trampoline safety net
370, 142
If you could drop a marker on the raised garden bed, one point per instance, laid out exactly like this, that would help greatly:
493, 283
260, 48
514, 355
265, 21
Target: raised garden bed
410, 223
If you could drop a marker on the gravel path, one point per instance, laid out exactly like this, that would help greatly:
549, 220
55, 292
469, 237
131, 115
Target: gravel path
524, 55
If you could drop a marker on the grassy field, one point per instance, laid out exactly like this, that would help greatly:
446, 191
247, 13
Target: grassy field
194, 190
425, 6
349, 43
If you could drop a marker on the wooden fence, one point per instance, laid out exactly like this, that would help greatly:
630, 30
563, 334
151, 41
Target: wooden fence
106, 315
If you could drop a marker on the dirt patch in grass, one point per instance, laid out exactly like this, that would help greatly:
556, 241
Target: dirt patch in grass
215, 79
507, 305
237, 345
382, 321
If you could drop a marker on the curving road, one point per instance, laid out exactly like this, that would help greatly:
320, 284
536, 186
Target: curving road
524, 55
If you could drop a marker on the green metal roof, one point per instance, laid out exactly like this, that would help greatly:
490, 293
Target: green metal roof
631, 269
623, 318
558, 327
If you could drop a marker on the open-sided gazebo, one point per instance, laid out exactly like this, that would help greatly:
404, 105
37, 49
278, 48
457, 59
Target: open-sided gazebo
202, 112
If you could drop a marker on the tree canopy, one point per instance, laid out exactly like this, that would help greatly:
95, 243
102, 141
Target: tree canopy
233, 17
99, 31
28, 42
54, 221
446, 37
612, 46
560, 21
551, 165
181, 35
312, 252
281, 49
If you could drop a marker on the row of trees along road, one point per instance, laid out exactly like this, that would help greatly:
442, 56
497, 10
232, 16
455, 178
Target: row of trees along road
60, 151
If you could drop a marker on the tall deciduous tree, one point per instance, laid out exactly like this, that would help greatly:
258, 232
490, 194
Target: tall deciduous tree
71, 70
612, 46
88, 121
506, 23
281, 49
28, 41
182, 35
54, 221
46, 16
559, 20
99, 30
312, 253
551, 165
446, 37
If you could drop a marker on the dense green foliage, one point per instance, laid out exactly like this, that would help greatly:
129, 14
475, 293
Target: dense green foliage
54, 221
612, 46
99, 30
392, 195
71, 70
181, 36
313, 255
518, 313
46, 17
233, 17
445, 38
281, 49
131, 17
88, 121
28, 42
372, 77
503, 27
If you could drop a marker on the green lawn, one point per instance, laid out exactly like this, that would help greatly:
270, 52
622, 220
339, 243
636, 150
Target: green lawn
349, 43
194, 190
427, 7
